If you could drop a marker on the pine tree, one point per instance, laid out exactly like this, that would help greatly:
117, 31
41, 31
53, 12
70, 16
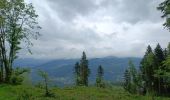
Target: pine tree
130, 79
147, 70
166, 75
159, 55
100, 76
85, 71
127, 80
77, 74
142, 64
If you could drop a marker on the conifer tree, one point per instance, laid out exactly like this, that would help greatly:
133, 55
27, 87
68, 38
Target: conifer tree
142, 64
166, 75
77, 74
159, 55
149, 72
130, 79
127, 80
148, 66
100, 76
84, 70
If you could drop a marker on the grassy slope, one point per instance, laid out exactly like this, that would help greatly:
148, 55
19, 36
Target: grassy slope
74, 93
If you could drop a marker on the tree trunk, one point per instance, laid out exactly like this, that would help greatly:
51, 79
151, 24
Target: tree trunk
1, 72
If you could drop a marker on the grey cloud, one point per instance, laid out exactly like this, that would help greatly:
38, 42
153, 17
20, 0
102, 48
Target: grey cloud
133, 11
69, 9
136, 24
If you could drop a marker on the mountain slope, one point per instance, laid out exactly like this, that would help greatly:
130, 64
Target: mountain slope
61, 71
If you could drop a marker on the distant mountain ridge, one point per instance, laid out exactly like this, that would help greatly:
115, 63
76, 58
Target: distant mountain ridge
61, 71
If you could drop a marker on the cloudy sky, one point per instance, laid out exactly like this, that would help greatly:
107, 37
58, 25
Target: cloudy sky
121, 28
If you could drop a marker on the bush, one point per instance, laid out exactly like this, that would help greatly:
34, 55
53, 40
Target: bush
17, 76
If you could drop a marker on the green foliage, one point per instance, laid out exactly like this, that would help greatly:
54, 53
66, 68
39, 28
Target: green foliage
45, 77
25, 95
77, 74
100, 76
18, 23
164, 7
82, 71
154, 71
131, 79
17, 76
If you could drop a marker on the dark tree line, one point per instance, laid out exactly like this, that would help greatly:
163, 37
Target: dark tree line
153, 75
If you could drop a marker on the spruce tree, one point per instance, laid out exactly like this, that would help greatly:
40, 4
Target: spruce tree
159, 55
127, 80
77, 74
142, 64
100, 76
130, 79
166, 75
85, 71
147, 70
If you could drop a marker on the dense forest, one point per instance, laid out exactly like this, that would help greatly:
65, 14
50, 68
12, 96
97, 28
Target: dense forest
19, 25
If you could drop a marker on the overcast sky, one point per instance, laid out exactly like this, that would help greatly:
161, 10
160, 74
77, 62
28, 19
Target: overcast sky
121, 28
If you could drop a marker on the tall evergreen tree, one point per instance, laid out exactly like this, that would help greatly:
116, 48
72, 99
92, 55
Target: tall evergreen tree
127, 80
147, 68
100, 76
77, 74
85, 71
142, 64
149, 50
166, 75
149, 72
159, 55
130, 79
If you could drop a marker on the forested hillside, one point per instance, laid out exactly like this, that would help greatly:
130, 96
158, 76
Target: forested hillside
61, 71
